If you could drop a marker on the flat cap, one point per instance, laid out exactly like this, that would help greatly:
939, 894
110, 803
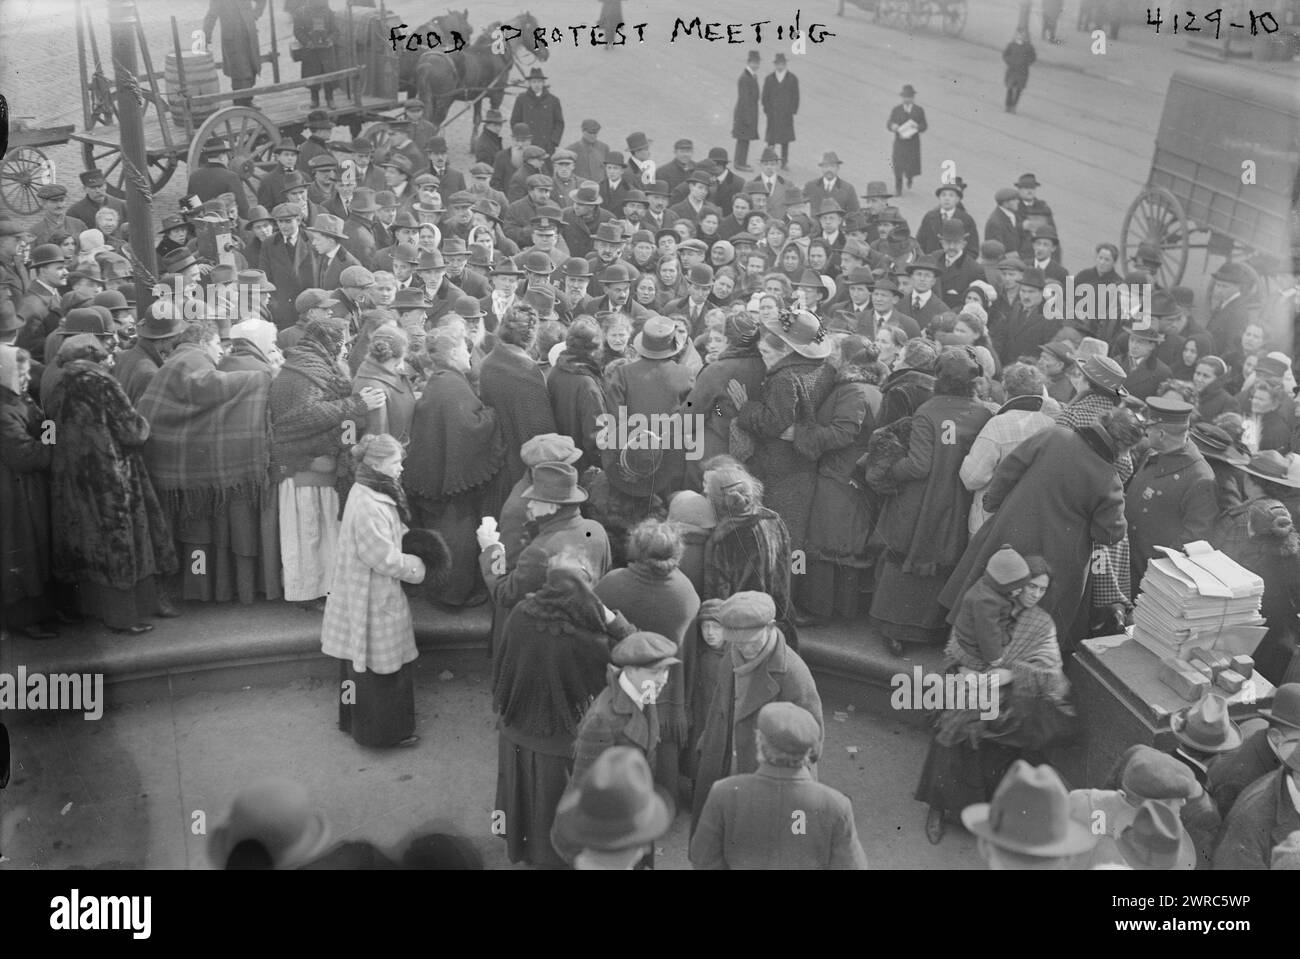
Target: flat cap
561, 155
356, 276
1151, 774
549, 448
789, 727
52, 191
747, 611
645, 649
311, 298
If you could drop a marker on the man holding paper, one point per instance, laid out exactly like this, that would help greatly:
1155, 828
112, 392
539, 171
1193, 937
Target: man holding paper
907, 123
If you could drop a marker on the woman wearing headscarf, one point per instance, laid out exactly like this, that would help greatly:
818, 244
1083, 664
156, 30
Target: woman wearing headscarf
385, 369
26, 596
790, 262
313, 412
1056, 495
110, 533
1195, 347
702, 654
794, 347
576, 389
749, 549
552, 662
209, 448
841, 514
969, 752
655, 596
923, 525
367, 621
709, 397
455, 452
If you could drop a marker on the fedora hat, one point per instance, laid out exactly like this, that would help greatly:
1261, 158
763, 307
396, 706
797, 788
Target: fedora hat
327, 224
503, 265
1286, 707
860, 276
924, 263
431, 260
1205, 726
877, 190
609, 232
829, 206
1156, 839
1104, 373
178, 260
1060, 349
1216, 444
278, 814
615, 805
256, 214
1028, 180
9, 322
588, 193
1030, 815
153, 327
363, 200
295, 181
487, 208
1276, 467
555, 483
803, 332
659, 339
174, 221
536, 74
542, 300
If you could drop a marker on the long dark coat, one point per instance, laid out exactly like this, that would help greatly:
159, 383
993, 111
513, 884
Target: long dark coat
1053, 496
794, 389
744, 120
316, 28
544, 116
511, 383
577, 398
1018, 57
842, 513
109, 527
728, 743
24, 499
907, 151
709, 397
780, 103
240, 50
1263, 817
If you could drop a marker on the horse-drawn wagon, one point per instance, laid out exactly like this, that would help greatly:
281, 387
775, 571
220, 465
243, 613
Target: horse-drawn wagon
1225, 176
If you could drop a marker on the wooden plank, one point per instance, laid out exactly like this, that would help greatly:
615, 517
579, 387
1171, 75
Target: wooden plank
213, 99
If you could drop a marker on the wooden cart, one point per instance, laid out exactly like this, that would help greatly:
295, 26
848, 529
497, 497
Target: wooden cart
944, 16
25, 168
1225, 177
179, 120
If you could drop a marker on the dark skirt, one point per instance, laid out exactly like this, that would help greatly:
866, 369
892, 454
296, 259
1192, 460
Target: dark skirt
954, 777
906, 606
383, 713
831, 590
456, 518
118, 608
27, 611
529, 786
235, 553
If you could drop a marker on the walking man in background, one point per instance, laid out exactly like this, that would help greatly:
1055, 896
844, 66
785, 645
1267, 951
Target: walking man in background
744, 123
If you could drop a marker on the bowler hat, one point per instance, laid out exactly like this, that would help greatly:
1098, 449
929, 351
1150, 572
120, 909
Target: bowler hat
954, 187
549, 448
647, 649
468, 308
84, 320
1030, 815
907, 91
9, 322
699, 176
1205, 726
952, 229
615, 158
521, 131
319, 120
575, 266
503, 265
535, 261
1286, 706
47, 253
111, 299
634, 196
615, 805
789, 727
555, 483
615, 273
479, 256
278, 815
92, 178
923, 263
1156, 839
1233, 273
214, 145
701, 274
1047, 232
658, 188
637, 141
877, 190
1034, 278
659, 339
1148, 252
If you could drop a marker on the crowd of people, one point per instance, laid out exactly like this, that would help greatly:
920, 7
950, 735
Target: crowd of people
399, 386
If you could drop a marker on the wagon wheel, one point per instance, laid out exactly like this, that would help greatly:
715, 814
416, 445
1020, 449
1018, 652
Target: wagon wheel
251, 136
108, 159
24, 171
952, 16
1156, 216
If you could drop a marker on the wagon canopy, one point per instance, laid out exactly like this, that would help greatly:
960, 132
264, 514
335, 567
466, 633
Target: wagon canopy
1212, 124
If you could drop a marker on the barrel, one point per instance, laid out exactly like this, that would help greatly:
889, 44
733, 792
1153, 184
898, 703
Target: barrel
200, 79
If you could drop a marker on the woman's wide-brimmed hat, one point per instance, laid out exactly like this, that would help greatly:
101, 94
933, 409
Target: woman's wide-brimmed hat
1205, 727
803, 332
1276, 467
615, 805
1216, 444
659, 339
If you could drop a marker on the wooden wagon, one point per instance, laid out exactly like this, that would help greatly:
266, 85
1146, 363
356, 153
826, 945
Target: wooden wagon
1225, 177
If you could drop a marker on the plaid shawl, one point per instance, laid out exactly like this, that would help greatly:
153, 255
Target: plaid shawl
209, 433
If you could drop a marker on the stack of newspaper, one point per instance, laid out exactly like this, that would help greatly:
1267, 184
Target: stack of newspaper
1188, 601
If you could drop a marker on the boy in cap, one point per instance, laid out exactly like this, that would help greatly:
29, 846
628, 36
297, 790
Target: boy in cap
982, 627
562, 163
746, 821
758, 668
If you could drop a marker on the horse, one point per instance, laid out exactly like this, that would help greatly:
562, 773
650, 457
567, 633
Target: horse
472, 73
445, 26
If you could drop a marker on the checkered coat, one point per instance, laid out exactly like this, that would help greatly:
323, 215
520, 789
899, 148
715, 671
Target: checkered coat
367, 618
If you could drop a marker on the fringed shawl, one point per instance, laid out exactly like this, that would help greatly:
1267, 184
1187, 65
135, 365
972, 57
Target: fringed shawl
456, 440
209, 433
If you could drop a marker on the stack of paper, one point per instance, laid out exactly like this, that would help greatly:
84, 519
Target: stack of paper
1191, 600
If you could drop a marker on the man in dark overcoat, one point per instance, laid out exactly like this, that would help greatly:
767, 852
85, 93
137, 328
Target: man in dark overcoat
744, 119
780, 99
1264, 816
907, 123
540, 109
241, 54
214, 177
